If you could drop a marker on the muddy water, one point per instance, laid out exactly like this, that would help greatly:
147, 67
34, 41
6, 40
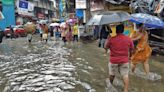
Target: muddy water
93, 69
40, 67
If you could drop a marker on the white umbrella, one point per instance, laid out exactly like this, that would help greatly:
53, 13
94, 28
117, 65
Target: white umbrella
54, 24
43, 21
63, 25
109, 17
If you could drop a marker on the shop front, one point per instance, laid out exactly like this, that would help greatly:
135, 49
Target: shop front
24, 12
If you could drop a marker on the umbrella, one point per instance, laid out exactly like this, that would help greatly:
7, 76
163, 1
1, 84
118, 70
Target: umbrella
43, 21
54, 24
30, 27
63, 25
148, 20
71, 20
55, 20
109, 17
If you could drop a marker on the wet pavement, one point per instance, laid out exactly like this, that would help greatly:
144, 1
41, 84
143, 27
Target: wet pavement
80, 67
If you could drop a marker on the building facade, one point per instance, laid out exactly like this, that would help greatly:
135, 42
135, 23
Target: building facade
33, 10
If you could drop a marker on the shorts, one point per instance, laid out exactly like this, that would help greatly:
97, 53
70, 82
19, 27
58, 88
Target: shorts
75, 38
45, 36
29, 36
123, 69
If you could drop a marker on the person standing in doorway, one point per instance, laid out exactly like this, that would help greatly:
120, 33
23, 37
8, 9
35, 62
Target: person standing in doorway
119, 46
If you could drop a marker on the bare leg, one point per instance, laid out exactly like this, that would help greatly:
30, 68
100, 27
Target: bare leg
106, 50
146, 67
133, 66
46, 40
111, 78
126, 82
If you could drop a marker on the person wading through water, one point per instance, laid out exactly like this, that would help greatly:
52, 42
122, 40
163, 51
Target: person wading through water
142, 50
119, 46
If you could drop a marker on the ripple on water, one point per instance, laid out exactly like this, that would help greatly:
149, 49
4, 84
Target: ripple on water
49, 71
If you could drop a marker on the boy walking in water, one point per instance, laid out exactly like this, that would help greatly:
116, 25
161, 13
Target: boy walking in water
119, 46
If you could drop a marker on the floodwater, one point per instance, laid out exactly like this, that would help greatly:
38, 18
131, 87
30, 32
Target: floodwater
79, 67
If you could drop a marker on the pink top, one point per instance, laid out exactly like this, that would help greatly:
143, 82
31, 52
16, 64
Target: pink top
119, 48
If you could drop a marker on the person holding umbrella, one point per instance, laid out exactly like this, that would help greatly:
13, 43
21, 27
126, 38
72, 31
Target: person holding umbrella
142, 51
30, 29
63, 30
45, 32
119, 46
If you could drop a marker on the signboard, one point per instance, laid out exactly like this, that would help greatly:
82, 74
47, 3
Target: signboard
25, 8
30, 6
96, 5
22, 11
23, 4
81, 4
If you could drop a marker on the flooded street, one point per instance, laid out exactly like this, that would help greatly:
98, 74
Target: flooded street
51, 67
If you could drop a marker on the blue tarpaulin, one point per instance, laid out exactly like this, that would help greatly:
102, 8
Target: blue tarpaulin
79, 13
9, 14
148, 20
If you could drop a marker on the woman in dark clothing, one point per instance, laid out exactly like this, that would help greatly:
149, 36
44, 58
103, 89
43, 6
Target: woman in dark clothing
104, 33
12, 32
51, 31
